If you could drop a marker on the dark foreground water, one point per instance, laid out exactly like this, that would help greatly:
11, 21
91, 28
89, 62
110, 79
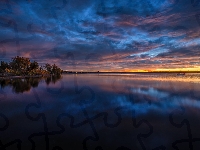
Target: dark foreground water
99, 112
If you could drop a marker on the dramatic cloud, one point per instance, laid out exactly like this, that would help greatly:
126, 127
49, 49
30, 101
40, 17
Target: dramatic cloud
107, 35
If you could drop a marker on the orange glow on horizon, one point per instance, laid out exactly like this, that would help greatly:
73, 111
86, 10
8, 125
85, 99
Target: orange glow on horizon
196, 69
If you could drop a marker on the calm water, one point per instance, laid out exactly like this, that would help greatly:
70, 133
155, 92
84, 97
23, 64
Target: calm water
99, 112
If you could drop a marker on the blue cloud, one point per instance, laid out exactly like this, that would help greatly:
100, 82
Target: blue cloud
105, 33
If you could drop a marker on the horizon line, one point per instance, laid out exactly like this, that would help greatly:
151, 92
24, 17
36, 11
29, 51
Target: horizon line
197, 71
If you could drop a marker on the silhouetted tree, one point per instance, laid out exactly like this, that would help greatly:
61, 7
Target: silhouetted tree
4, 66
20, 65
56, 70
53, 69
23, 66
48, 67
34, 65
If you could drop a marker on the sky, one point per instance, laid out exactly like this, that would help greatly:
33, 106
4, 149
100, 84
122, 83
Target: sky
102, 35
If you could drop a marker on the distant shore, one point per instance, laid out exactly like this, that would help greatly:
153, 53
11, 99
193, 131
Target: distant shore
98, 72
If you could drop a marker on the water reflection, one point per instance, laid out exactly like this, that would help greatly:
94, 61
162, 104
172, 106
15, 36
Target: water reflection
103, 112
52, 79
20, 85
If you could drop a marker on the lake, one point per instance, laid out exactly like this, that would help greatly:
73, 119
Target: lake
100, 112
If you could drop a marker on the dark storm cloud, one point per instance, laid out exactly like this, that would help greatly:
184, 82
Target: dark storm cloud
101, 34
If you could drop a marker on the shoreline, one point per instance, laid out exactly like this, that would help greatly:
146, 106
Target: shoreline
21, 77
190, 77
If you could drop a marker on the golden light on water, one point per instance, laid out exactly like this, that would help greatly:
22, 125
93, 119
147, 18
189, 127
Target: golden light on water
179, 69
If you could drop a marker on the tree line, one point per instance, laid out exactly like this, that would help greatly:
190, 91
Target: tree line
21, 66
